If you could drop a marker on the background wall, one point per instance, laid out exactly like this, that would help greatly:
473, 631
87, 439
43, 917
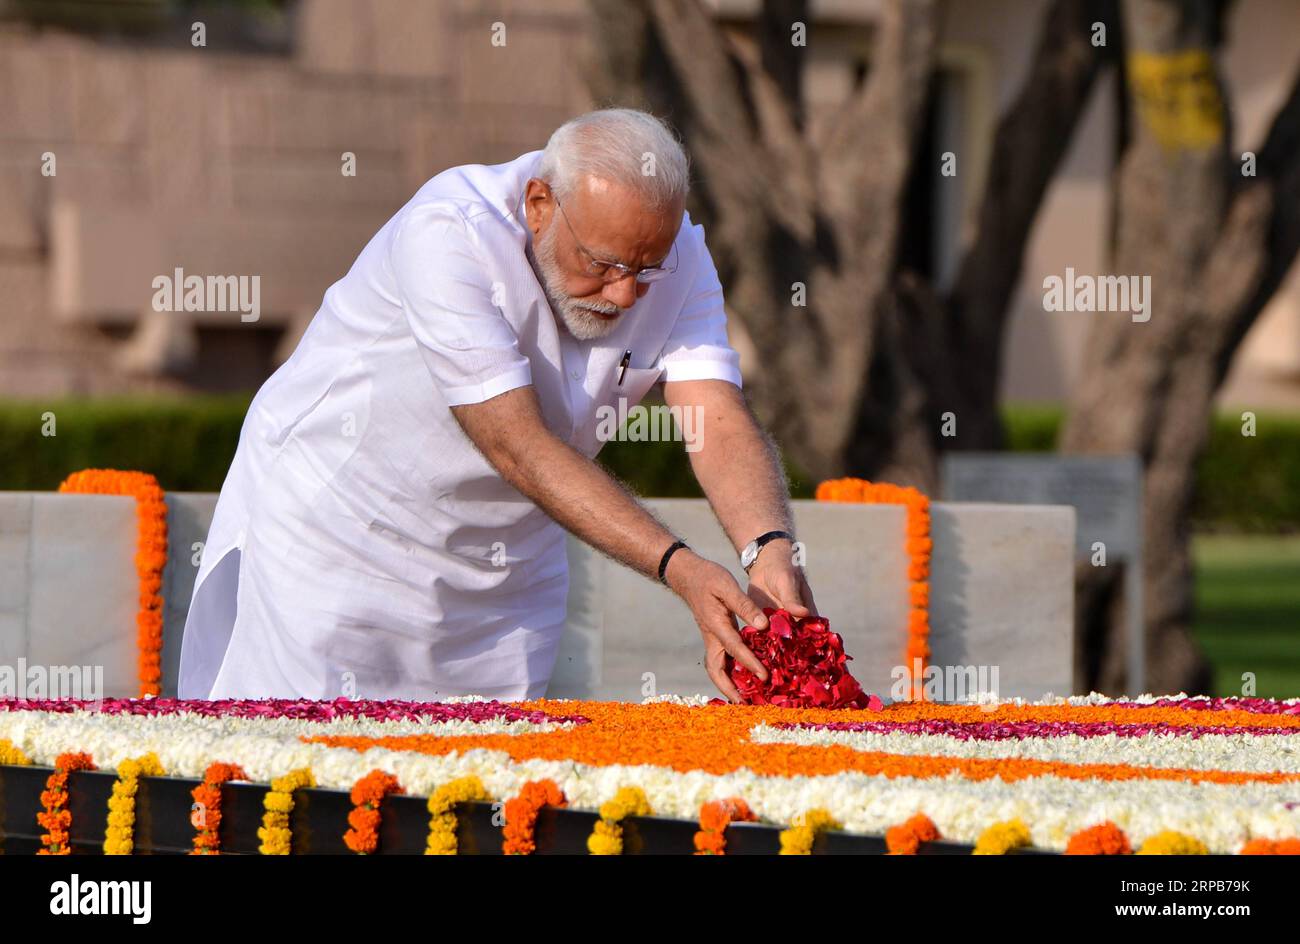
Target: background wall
227, 159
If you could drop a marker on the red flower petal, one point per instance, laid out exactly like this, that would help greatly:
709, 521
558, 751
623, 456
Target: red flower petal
805, 663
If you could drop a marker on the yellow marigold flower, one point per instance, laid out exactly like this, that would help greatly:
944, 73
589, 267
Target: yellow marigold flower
442, 809
1001, 838
1171, 842
607, 837
799, 839
275, 835
119, 836
11, 755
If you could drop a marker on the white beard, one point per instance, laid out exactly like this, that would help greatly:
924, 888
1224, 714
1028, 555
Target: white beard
578, 318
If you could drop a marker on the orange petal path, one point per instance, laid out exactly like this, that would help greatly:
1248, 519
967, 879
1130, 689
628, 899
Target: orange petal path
716, 740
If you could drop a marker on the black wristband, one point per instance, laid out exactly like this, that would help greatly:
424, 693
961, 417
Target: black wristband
763, 539
663, 561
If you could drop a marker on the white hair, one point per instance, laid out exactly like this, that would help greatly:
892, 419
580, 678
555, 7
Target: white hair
621, 145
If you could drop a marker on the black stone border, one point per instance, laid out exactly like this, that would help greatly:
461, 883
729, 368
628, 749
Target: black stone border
320, 819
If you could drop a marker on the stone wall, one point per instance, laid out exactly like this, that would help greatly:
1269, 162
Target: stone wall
1001, 593
207, 158
229, 162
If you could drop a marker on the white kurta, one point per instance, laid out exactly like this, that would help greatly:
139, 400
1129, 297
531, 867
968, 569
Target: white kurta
361, 545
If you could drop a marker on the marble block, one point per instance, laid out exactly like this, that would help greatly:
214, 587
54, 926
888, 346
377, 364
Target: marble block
1002, 597
1001, 594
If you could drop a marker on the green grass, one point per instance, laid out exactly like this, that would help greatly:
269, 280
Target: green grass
1248, 611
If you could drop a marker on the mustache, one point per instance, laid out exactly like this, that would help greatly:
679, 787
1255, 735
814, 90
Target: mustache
605, 308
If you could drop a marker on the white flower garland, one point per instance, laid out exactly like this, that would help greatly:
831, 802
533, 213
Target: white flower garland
1222, 816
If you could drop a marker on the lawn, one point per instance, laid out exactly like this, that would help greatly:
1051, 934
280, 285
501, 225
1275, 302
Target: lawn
1248, 611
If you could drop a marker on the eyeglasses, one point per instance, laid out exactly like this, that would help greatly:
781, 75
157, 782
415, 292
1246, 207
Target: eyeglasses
610, 272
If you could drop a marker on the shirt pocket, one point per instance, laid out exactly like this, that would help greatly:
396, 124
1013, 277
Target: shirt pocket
612, 404
636, 383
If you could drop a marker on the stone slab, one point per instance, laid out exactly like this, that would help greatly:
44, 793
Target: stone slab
1001, 597
1001, 593
82, 594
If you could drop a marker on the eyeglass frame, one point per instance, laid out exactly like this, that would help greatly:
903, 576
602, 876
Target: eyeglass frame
656, 272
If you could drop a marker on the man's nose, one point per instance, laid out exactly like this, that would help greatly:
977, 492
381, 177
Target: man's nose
624, 292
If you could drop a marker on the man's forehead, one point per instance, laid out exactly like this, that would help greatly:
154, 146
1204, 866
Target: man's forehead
616, 219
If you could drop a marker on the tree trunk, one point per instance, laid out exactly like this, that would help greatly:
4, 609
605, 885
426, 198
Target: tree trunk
858, 361
856, 380
1214, 245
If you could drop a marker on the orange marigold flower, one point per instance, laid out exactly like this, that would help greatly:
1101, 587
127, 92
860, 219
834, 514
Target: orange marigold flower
906, 838
1103, 839
521, 815
1271, 847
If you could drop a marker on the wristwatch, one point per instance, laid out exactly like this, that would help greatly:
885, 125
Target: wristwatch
750, 554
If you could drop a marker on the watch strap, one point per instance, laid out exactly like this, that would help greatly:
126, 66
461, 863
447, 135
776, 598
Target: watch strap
767, 538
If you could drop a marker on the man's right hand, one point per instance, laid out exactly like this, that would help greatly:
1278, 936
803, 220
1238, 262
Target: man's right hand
716, 600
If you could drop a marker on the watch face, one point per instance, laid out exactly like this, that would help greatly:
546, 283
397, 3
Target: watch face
748, 554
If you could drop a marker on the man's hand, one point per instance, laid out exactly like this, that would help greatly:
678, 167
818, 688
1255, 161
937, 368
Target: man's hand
714, 596
776, 581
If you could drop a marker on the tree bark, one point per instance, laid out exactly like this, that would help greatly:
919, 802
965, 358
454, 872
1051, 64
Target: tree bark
949, 357
855, 379
1215, 246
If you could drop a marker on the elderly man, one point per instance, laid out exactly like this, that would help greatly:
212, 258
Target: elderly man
392, 525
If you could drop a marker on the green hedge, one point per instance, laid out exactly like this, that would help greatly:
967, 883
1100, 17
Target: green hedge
187, 443
1251, 483
1244, 483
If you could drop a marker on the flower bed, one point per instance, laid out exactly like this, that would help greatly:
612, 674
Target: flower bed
1221, 772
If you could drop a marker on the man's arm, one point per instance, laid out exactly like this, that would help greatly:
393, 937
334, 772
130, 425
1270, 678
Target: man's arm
510, 432
739, 469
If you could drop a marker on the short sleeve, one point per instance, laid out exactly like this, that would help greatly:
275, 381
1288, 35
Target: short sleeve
471, 351
697, 348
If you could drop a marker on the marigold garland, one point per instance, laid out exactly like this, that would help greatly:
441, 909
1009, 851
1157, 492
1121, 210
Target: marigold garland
1103, 839
607, 837
12, 755
1001, 838
442, 813
55, 816
119, 836
521, 815
206, 817
150, 557
367, 795
799, 839
1271, 847
276, 836
919, 547
1171, 842
715, 817
906, 838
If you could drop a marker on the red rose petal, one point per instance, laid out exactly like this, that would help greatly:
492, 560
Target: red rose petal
806, 665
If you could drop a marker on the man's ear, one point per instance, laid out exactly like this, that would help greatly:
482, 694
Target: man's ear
538, 205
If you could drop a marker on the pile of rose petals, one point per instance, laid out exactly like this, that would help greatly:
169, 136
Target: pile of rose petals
806, 665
